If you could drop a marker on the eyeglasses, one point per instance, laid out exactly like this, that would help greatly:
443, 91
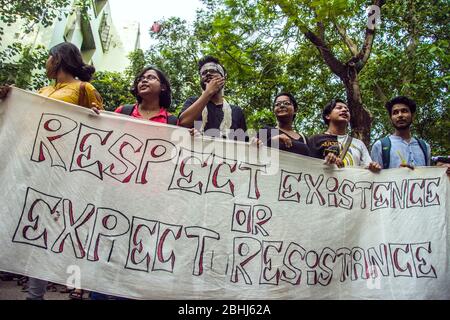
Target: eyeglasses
282, 104
150, 77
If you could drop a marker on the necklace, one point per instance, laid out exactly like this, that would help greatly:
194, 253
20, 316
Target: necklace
147, 113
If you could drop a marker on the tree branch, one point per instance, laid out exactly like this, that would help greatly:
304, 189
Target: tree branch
366, 49
321, 30
379, 92
335, 65
348, 41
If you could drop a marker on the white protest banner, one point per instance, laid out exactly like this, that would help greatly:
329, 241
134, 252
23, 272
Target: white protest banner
142, 210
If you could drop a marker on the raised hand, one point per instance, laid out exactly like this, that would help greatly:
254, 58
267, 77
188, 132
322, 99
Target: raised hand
215, 84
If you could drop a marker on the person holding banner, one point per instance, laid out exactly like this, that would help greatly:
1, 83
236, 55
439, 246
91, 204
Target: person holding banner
3, 92
442, 161
153, 97
401, 149
284, 136
335, 146
65, 65
153, 94
210, 113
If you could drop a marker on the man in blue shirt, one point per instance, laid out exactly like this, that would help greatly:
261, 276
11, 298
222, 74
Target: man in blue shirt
400, 149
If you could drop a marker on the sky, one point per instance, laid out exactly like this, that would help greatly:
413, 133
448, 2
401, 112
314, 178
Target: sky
147, 11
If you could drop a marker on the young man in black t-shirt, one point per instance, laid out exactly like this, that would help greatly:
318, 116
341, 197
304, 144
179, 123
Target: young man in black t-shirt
210, 113
335, 146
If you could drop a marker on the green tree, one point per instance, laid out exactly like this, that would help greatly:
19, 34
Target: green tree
23, 65
321, 49
114, 88
339, 31
137, 64
299, 46
176, 50
31, 12
412, 59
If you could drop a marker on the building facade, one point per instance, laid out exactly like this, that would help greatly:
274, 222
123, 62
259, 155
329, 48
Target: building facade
94, 33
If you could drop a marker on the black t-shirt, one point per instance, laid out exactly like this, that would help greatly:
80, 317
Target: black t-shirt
215, 117
299, 146
322, 144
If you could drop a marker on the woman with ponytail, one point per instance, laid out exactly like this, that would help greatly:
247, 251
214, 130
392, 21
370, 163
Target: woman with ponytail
72, 77
65, 65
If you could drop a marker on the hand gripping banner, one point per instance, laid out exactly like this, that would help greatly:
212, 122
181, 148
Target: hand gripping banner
142, 210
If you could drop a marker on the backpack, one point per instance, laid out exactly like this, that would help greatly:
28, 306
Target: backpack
386, 150
128, 110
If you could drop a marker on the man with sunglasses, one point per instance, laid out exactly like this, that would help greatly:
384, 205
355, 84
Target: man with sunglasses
210, 113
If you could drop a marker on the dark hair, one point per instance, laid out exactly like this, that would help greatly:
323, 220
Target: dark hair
329, 107
207, 59
165, 96
290, 96
68, 58
401, 100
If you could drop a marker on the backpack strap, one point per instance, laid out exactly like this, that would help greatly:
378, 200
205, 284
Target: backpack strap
127, 109
82, 95
347, 144
303, 137
171, 119
386, 151
423, 146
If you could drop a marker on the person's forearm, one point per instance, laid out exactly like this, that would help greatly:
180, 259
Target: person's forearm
194, 111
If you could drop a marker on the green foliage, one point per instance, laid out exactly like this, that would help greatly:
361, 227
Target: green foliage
137, 64
33, 12
176, 52
114, 89
23, 66
265, 52
412, 59
262, 45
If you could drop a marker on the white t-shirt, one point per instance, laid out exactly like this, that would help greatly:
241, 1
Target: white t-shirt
357, 154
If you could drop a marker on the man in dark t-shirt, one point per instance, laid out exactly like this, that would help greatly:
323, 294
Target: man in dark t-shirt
210, 113
335, 146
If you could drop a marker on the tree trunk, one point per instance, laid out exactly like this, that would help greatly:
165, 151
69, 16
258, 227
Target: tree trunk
361, 118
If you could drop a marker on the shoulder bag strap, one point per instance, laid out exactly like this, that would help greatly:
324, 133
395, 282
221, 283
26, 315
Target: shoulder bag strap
347, 144
82, 94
